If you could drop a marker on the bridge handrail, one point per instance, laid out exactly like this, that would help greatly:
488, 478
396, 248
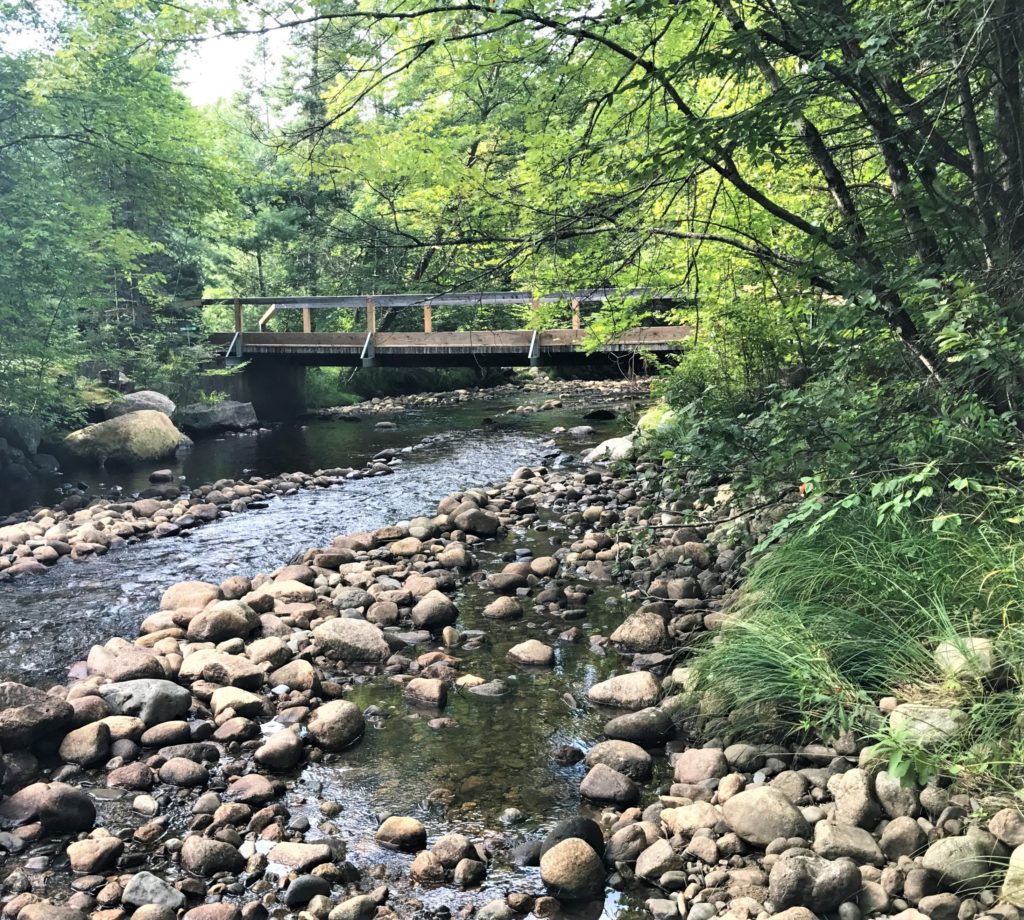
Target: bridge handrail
449, 299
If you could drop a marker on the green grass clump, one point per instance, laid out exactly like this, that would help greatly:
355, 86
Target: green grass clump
831, 621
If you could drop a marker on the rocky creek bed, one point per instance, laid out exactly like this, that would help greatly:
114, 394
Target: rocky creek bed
479, 711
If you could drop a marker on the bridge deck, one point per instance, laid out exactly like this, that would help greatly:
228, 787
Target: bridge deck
505, 347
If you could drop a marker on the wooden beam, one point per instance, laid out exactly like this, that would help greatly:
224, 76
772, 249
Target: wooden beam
307, 319
265, 318
371, 315
575, 313
238, 314
428, 318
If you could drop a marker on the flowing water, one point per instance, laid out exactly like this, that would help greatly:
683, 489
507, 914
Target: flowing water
498, 753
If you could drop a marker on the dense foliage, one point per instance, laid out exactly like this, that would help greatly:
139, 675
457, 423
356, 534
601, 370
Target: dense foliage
834, 191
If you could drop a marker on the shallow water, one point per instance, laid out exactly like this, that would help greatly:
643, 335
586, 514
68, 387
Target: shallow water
497, 756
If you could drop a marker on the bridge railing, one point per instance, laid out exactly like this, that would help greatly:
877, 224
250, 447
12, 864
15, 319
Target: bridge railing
427, 302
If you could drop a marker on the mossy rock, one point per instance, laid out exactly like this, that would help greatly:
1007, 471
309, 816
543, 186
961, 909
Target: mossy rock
137, 437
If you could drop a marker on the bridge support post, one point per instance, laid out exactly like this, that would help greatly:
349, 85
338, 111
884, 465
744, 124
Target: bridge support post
371, 315
238, 325
307, 319
428, 318
276, 388
575, 313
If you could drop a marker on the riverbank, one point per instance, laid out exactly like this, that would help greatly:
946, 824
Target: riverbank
218, 752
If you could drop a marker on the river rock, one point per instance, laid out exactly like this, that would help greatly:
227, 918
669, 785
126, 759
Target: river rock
206, 857
626, 691
855, 798
611, 450
221, 621
649, 726
451, 849
1007, 826
762, 814
657, 859
966, 861
967, 655
533, 653
402, 833
1013, 881
926, 725
804, 880
336, 725
28, 715
695, 765
189, 596
902, 836
226, 415
119, 660
428, 690
349, 639
469, 873
477, 521
95, 855
831, 841
86, 746
302, 857
627, 758
426, 867
503, 608
145, 888
184, 773
45, 910
434, 611
140, 399
572, 871
583, 828
150, 700
240, 702
281, 751
137, 437
360, 907
221, 911
603, 784
641, 632
60, 808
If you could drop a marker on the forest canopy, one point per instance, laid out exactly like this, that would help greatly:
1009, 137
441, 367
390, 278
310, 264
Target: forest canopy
835, 190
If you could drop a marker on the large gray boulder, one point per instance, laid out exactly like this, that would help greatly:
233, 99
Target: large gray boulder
151, 700
142, 399
137, 437
228, 415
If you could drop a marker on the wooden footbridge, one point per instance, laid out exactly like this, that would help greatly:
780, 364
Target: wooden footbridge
371, 347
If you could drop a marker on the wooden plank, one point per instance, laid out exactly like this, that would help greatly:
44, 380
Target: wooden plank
238, 314
371, 316
576, 313
428, 318
307, 319
265, 318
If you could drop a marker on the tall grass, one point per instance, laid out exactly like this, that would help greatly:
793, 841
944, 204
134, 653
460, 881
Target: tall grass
830, 622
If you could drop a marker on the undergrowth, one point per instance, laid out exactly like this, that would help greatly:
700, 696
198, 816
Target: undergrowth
833, 620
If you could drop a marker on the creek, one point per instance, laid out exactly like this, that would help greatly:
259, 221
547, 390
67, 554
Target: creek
497, 753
